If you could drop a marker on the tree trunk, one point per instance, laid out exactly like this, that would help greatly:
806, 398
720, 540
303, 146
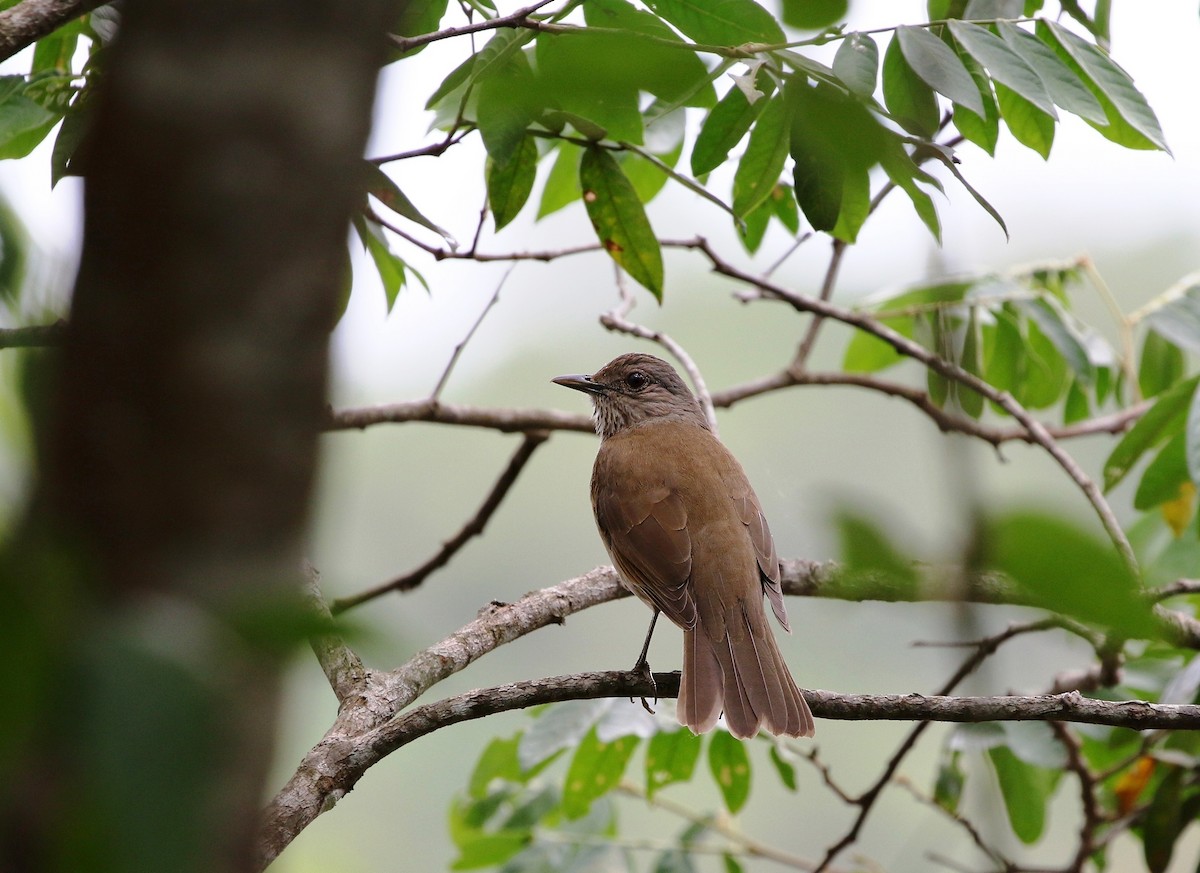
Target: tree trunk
154, 569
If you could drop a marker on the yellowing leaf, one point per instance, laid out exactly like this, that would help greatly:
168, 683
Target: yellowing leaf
1178, 513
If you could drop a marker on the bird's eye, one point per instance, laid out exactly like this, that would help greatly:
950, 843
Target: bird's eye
637, 380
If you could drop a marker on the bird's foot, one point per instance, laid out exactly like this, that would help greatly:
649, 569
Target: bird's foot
642, 671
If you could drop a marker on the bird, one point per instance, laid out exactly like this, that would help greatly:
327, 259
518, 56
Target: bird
687, 535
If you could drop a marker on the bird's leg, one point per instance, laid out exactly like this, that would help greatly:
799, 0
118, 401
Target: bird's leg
643, 665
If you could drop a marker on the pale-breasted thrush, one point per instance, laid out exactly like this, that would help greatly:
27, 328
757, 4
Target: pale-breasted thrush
688, 537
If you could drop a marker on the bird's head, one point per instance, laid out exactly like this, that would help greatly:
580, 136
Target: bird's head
633, 389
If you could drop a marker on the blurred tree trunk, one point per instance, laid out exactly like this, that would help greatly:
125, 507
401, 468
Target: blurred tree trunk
149, 580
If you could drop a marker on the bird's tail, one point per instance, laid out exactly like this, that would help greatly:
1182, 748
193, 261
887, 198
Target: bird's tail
745, 674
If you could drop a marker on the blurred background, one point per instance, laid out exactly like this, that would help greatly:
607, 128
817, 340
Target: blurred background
390, 495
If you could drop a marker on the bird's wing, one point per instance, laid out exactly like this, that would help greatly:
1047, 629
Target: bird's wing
645, 530
751, 514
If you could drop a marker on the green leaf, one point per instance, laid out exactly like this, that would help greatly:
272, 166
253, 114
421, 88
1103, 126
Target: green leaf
1160, 422
1062, 569
730, 767
867, 353
595, 770
1025, 790
983, 130
721, 22
754, 227
870, 558
1029, 125
1064, 87
1193, 438
761, 164
670, 757
1053, 321
672, 74
389, 265
783, 205
902, 170
507, 105
1162, 477
559, 727
510, 182
785, 769
619, 219
948, 161
908, 98
835, 141
1004, 64
857, 63
1076, 407
1164, 820
562, 182
382, 188
855, 206
674, 861
1160, 365
498, 761
23, 122
732, 864
595, 76
70, 135
948, 785
56, 51
725, 126
969, 400
1179, 319
939, 67
1131, 121
814, 14
419, 18
489, 850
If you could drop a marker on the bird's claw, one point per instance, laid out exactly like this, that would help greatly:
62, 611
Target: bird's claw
642, 671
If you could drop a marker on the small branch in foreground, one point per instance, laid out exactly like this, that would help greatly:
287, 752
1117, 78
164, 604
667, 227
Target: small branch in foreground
35, 335
458, 349
472, 528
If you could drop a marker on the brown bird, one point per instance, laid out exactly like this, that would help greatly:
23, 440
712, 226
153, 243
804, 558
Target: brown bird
688, 537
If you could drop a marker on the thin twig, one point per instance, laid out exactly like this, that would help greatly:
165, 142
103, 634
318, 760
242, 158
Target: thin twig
616, 319
838, 250
964, 823
718, 825
984, 648
519, 18
474, 527
1092, 817
452, 138
458, 349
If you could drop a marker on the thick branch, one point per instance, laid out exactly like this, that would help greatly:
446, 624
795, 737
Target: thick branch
24, 24
34, 335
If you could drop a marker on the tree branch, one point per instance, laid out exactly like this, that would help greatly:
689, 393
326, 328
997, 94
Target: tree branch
1037, 431
24, 24
34, 335
474, 527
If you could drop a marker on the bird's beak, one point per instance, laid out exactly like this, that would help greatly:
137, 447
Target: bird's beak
580, 382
